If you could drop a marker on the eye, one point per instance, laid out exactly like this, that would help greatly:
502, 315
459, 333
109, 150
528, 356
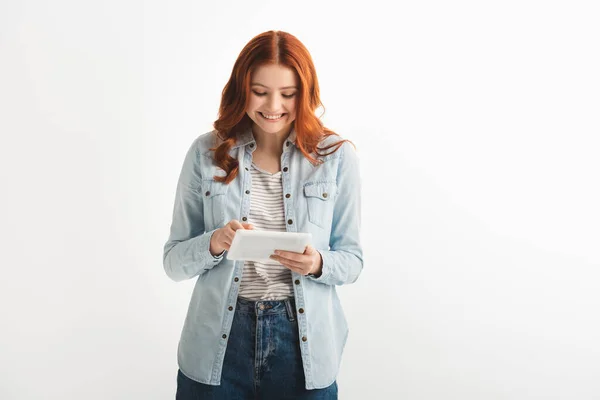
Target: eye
287, 96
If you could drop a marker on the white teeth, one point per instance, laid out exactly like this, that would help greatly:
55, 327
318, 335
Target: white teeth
271, 116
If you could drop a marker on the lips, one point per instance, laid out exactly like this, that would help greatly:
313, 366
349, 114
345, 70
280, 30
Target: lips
271, 119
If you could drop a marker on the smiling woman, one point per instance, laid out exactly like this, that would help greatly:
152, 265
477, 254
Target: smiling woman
273, 88
272, 329
273, 110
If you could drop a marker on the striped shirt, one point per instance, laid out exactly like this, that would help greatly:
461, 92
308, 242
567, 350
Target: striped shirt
268, 280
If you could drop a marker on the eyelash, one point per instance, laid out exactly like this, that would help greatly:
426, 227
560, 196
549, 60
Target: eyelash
263, 94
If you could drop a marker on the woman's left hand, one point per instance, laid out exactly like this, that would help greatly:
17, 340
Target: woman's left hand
309, 262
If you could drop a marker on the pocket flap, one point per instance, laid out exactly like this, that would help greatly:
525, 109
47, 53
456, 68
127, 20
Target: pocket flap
211, 188
321, 190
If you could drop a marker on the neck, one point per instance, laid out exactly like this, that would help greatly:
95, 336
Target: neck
271, 143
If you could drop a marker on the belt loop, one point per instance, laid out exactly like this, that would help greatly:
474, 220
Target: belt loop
290, 310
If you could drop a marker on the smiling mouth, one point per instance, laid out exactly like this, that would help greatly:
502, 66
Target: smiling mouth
271, 118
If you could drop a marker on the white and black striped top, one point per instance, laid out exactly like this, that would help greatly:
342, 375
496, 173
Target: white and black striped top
270, 280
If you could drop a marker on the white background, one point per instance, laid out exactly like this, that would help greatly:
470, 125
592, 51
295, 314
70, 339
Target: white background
477, 125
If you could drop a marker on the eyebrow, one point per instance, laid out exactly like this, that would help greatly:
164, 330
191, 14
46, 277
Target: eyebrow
285, 87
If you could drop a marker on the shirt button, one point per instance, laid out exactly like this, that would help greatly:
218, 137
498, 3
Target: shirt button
244, 219
248, 192
304, 339
207, 193
285, 169
287, 196
290, 222
246, 168
301, 311
297, 281
230, 308
236, 279
287, 144
251, 144
324, 194
225, 337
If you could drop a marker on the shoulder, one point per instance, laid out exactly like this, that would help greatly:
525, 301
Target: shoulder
204, 142
329, 140
345, 151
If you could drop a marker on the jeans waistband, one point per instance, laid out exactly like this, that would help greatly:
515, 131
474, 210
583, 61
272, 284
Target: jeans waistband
267, 307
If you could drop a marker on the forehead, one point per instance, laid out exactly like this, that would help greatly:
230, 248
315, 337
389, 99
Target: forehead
274, 76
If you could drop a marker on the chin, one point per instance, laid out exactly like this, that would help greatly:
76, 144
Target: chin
274, 128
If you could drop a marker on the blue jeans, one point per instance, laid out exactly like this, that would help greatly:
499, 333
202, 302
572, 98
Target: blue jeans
262, 360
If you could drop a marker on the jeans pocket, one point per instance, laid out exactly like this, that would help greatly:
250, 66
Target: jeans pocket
320, 198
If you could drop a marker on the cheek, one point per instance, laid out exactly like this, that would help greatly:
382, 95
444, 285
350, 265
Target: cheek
253, 105
292, 107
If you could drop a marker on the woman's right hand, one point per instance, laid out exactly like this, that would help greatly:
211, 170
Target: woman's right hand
222, 238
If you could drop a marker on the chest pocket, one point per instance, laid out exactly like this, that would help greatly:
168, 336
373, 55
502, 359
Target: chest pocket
320, 197
214, 196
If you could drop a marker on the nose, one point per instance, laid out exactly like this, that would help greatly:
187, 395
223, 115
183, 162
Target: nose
274, 103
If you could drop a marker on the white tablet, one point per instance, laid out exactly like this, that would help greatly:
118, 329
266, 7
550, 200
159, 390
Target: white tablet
253, 245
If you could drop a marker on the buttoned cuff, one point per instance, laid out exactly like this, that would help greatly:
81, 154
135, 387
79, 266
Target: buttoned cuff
325, 269
220, 255
214, 260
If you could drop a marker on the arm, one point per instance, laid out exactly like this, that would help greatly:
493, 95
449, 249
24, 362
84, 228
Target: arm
343, 263
187, 251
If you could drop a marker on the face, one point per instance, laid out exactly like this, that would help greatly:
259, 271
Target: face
272, 105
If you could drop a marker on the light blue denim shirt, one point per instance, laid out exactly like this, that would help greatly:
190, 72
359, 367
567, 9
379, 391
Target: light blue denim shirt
324, 200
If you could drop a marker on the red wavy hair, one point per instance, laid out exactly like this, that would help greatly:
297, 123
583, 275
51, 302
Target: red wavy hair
271, 47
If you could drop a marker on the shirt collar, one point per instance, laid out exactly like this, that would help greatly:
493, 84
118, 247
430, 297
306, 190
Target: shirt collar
246, 137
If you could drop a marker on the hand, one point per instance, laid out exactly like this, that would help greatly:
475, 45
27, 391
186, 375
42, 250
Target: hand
222, 238
309, 262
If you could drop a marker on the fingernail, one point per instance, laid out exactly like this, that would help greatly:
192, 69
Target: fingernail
277, 252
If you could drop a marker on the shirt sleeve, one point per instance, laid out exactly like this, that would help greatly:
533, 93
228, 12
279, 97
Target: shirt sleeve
343, 262
187, 251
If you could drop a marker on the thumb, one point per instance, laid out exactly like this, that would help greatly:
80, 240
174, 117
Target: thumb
308, 250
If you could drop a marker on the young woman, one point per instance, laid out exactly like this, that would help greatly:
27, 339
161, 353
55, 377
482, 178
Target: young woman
266, 330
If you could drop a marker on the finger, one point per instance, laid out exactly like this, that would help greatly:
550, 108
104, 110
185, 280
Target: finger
308, 250
230, 231
229, 235
289, 266
301, 271
247, 226
235, 225
290, 255
289, 262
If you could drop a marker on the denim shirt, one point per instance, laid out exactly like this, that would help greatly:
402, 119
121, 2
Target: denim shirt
324, 200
